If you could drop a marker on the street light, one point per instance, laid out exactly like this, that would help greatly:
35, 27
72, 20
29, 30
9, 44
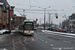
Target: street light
44, 15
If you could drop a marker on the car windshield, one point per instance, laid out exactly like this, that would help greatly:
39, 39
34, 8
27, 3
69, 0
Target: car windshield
37, 24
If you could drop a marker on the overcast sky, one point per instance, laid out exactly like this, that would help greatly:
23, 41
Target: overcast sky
62, 7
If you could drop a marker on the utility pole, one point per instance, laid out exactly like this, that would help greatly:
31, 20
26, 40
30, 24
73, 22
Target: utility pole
40, 21
44, 17
24, 13
49, 19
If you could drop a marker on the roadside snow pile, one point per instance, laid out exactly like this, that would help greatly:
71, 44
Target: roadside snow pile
47, 31
43, 30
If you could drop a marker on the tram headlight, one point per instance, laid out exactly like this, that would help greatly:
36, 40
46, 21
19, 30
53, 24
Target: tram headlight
32, 31
25, 31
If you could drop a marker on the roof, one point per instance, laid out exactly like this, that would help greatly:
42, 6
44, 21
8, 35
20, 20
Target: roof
20, 16
28, 20
1, 3
4, 1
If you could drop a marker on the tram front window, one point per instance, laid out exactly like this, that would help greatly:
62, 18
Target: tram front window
28, 26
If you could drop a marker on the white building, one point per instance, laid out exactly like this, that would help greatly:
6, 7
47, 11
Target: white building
72, 20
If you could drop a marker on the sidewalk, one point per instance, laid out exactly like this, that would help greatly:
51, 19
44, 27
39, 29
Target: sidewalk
16, 30
13, 30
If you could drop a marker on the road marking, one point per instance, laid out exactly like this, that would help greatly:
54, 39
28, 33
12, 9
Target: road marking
4, 49
46, 42
51, 44
62, 35
14, 48
42, 40
36, 37
56, 48
22, 43
66, 41
13, 44
24, 48
60, 48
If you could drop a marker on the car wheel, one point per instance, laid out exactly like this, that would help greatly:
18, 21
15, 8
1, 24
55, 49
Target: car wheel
3, 33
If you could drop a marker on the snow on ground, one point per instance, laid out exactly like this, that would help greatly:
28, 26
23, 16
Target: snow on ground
47, 31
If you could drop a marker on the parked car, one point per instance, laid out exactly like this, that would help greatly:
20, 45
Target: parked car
49, 28
69, 30
40, 27
73, 31
59, 30
7, 31
52, 29
2, 32
64, 30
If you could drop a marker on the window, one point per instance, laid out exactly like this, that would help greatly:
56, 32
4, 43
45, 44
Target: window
23, 18
20, 18
73, 22
13, 22
72, 17
13, 18
4, 18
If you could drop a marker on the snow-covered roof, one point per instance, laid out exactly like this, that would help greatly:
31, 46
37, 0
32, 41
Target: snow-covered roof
1, 3
4, 1
28, 20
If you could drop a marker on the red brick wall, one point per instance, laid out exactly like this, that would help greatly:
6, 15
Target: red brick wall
35, 22
0, 26
18, 21
4, 18
10, 22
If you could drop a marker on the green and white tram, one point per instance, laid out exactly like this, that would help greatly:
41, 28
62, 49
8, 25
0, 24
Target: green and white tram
28, 27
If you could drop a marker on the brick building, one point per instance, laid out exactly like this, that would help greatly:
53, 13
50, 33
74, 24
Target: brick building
35, 22
4, 25
65, 22
6, 13
0, 16
18, 20
72, 20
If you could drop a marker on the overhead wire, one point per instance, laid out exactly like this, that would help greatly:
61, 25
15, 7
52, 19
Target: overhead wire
34, 9
33, 12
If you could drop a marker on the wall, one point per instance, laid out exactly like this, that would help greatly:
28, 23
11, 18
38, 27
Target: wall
0, 17
4, 20
11, 16
19, 20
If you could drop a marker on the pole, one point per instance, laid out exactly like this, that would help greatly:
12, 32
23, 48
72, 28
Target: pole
40, 21
24, 13
49, 19
44, 18
15, 20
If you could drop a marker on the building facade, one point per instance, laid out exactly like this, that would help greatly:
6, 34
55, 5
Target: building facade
6, 13
0, 16
65, 22
17, 20
4, 25
72, 20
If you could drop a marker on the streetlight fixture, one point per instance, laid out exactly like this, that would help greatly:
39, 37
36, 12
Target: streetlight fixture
44, 15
